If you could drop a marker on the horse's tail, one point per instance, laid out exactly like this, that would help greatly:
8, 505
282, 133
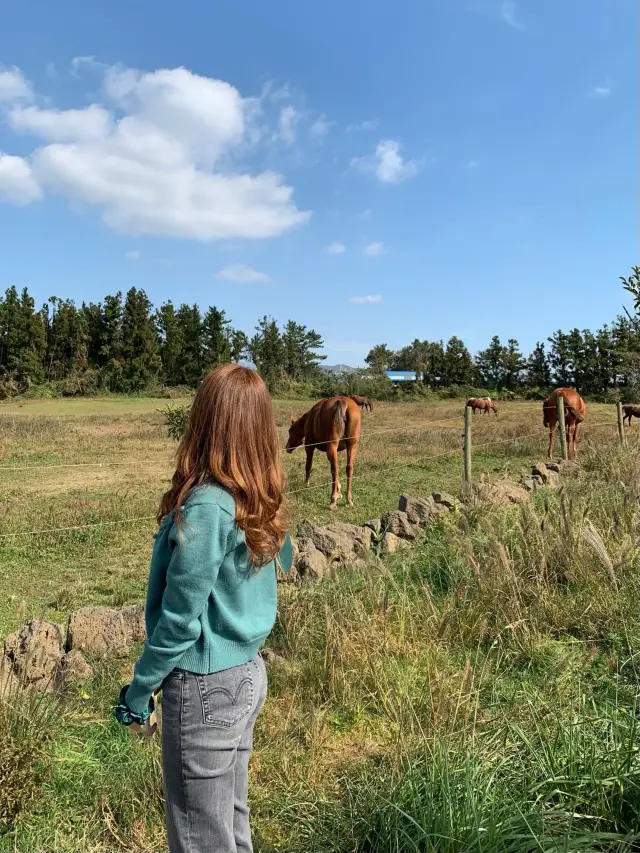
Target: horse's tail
469, 402
363, 402
340, 413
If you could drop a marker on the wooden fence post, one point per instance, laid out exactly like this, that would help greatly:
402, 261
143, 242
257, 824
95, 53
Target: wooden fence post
561, 427
467, 445
623, 440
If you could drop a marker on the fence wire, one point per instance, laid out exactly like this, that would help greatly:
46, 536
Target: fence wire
382, 470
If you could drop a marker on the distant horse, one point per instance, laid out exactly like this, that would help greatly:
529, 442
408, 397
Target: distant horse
330, 426
482, 404
575, 412
631, 410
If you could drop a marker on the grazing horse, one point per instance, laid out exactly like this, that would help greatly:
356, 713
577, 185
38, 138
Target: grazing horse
482, 404
575, 412
631, 410
330, 426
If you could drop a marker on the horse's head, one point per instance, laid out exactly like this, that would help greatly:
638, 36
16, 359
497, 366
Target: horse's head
296, 434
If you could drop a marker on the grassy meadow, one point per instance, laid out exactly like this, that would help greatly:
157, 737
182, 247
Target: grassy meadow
475, 694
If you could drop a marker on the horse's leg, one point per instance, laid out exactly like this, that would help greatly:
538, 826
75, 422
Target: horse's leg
576, 433
352, 449
569, 433
307, 470
332, 455
552, 432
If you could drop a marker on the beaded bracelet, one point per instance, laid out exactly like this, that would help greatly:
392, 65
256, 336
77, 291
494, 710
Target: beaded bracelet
126, 716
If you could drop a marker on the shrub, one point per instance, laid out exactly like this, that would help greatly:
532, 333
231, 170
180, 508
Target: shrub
29, 724
175, 420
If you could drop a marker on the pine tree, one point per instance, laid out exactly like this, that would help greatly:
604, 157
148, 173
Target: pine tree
217, 336
513, 365
379, 358
266, 350
538, 373
490, 364
458, 366
22, 337
190, 362
68, 340
142, 366
299, 344
171, 343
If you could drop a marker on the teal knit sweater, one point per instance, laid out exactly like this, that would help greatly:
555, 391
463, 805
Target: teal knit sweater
207, 607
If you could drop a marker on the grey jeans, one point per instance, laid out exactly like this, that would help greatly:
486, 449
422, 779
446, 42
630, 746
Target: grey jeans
207, 735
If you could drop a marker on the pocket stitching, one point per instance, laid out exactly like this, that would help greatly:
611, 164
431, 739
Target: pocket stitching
207, 717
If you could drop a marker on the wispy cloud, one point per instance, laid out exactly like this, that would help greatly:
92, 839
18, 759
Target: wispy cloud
320, 127
387, 163
473, 164
336, 248
600, 92
289, 118
243, 274
132, 255
363, 126
374, 249
509, 13
366, 213
366, 300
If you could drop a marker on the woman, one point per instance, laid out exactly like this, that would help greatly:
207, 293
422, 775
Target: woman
211, 603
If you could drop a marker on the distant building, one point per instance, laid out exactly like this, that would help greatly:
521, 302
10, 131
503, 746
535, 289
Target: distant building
403, 375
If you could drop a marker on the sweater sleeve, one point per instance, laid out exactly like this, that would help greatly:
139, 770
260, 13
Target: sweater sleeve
198, 552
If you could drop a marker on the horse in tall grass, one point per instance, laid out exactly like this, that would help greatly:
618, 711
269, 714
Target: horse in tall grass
482, 404
631, 410
575, 411
330, 426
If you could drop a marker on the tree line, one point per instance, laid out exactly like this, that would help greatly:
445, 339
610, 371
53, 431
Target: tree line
594, 362
123, 344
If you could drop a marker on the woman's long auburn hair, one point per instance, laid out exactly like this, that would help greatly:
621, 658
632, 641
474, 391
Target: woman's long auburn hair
231, 438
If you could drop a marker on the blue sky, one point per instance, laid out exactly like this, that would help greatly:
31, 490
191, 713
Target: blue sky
378, 171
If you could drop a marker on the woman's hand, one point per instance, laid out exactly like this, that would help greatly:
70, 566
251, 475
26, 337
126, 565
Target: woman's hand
147, 729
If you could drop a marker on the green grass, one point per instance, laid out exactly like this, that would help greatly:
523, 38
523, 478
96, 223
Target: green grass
476, 694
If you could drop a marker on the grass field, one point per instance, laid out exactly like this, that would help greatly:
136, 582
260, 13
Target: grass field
475, 694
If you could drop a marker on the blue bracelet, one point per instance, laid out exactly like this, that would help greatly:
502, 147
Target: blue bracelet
126, 716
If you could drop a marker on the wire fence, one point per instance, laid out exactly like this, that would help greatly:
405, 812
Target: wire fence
380, 470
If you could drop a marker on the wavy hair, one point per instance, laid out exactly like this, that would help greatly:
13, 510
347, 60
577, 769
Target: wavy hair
231, 438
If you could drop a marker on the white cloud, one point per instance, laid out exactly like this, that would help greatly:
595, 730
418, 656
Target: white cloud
158, 161
17, 182
289, 118
320, 127
132, 255
509, 12
80, 62
372, 250
600, 92
13, 86
336, 249
369, 299
62, 125
387, 163
243, 274
364, 126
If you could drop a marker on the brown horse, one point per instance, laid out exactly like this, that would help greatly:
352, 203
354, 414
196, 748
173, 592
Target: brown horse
482, 404
575, 412
631, 410
330, 426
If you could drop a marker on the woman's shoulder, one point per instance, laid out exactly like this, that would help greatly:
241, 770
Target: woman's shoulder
212, 494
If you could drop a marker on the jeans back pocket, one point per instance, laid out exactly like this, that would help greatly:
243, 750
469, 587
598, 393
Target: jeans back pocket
227, 696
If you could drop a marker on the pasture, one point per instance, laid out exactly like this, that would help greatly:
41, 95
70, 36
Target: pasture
477, 693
